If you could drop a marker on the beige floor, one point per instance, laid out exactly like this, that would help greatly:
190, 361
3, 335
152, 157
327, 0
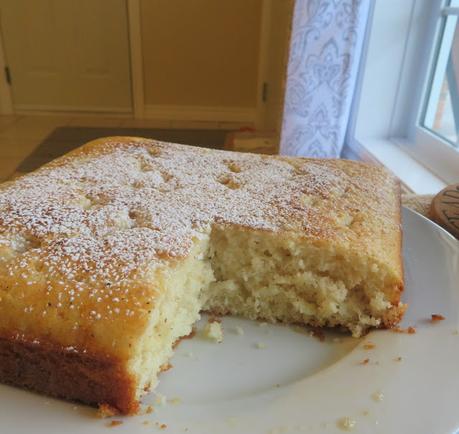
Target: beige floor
19, 135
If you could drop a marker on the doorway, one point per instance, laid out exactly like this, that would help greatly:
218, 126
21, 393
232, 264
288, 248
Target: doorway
179, 61
66, 55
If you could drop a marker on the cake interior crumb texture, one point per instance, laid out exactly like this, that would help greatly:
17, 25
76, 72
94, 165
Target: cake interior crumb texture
109, 254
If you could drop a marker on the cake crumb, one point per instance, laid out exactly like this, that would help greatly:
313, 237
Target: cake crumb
162, 426
239, 330
105, 411
319, 334
409, 330
346, 424
435, 317
214, 332
114, 423
175, 401
165, 367
378, 396
398, 359
150, 409
369, 346
146, 422
365, 413
260, 345
365, 361
160, 399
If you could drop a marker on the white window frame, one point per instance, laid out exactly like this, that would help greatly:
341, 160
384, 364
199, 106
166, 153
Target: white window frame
385, 127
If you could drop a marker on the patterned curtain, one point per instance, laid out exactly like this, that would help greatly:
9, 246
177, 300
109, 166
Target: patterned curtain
325, 48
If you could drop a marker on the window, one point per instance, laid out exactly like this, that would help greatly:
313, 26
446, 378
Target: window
441, 115
435, 140
406, 113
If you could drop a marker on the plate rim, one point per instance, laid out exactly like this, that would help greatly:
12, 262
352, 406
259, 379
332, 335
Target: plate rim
427, 219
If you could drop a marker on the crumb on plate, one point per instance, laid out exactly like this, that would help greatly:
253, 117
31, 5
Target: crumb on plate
409, 330
378, 396
160, 399
165, 367
346, 423
114, 423
435, 317
317, 333
214, 331
106, 410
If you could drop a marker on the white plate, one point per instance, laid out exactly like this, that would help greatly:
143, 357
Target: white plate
298, 384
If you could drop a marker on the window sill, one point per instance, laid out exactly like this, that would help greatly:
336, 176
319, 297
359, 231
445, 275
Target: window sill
415, 177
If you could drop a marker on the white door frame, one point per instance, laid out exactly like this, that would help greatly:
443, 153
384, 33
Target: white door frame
136, 56
267, 21
6, 101
263, 63
136, 61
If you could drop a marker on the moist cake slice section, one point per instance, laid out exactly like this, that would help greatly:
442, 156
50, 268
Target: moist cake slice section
286, 277
108, 254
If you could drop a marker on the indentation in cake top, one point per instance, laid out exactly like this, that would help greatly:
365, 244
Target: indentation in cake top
102, 214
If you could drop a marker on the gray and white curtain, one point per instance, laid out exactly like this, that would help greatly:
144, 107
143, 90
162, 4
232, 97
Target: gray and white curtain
325, 49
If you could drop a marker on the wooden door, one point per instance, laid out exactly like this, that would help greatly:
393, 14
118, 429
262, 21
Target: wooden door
67, 55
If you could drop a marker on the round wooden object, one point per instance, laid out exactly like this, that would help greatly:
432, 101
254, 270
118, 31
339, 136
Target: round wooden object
445, 209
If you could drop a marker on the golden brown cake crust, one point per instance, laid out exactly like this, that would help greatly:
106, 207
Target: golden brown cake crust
85, 239
63, 373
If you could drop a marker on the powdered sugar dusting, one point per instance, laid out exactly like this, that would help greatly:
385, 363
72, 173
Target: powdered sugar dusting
83, 228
